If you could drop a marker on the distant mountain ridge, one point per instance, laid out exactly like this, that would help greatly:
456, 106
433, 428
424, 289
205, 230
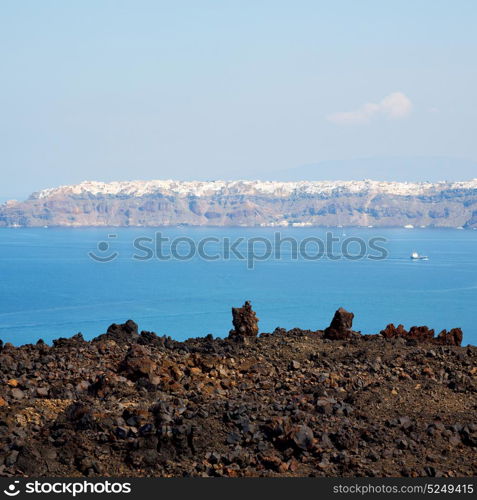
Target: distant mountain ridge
248, 203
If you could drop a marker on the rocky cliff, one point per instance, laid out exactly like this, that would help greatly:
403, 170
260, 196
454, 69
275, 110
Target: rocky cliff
248, 203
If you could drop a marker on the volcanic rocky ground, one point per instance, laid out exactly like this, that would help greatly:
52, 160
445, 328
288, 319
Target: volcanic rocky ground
290, 403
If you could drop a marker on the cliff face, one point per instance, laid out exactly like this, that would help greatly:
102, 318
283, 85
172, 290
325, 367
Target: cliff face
248, 203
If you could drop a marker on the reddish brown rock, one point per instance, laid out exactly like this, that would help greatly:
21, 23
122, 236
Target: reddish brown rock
245, 321
454, 337
423, 334
137, 363
341, 326
391, 331
274, 462
419, 333
288, 403
101, 386
122, 333
74, 341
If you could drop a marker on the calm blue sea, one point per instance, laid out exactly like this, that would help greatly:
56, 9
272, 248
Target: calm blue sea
50, 287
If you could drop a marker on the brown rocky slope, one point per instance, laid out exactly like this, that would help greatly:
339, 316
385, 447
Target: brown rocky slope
290, 403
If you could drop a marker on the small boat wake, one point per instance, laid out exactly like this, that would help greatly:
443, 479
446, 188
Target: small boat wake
416, 256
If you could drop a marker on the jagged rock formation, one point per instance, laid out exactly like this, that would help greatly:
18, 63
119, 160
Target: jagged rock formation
245, 321
287, 403
248, 203
126, 332
454, 337
137, 364
423, 334
341, 326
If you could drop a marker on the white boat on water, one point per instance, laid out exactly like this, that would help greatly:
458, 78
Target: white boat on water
416, 256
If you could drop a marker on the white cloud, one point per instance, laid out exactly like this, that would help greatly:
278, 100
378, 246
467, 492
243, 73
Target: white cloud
394, 106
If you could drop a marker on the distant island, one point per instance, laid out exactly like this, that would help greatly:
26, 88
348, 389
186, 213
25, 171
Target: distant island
248, 203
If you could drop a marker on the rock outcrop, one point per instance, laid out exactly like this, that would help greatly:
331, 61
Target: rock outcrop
454, 337
289, 403
125, 333
341, 326
423, 334
245, 321
137, 363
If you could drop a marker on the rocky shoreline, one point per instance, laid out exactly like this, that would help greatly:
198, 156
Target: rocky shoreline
329, 402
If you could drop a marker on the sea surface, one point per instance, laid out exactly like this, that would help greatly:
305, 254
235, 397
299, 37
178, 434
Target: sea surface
52, 284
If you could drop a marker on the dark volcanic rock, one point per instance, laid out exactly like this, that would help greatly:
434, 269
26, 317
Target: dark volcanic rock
391, 331
69, 342
137, 363
454, 337
288, 403
245, 321
341, 326
423, 334
420, 333
123, 333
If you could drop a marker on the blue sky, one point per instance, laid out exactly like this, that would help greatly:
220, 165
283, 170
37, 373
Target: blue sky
227, 89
